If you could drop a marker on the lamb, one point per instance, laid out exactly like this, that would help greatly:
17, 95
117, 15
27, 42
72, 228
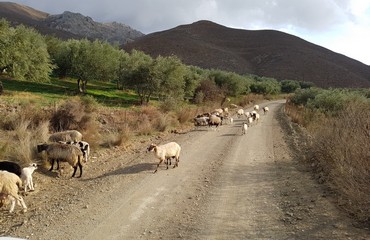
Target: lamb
9, 186
11, 167
26, 177
70, 135
63, 152
84, 147
215, 121
244, 128
265, 110
256, 108
165, 152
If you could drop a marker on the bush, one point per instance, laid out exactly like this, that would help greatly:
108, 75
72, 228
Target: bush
342, 149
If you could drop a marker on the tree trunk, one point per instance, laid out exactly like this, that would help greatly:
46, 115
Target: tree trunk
1, 88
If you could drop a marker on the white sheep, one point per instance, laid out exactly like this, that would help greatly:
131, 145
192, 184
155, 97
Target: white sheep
240, 113
244, 128
215, 121
249, 121
26, 177
69, 135
9, 185
247, 114
62, 152
256, 107
265, 110
165, 152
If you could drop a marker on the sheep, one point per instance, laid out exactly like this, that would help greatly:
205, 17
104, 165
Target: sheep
201, 121
256, 117
240, 113
62, 152
84, 147
215, 121
11, 167
165, 152
265, 110
9, 185
244, 128
249, 121
70, 135
256, 107
26, 177
247, 114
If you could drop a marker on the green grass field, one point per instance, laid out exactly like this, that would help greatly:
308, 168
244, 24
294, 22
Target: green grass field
105, 93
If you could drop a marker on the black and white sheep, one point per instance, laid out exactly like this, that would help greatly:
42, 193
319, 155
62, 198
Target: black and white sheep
62, 152
9, 187
84, 147
11, 167
26, 177
69, 135
165, 152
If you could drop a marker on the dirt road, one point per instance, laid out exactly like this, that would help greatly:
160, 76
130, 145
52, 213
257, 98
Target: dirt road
227, 186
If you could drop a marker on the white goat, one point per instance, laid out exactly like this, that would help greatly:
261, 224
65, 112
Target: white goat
9, 186
26, 177
165, 152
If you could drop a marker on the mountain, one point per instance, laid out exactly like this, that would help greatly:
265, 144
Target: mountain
266, 53
67, 25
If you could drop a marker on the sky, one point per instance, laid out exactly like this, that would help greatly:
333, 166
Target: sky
342, 26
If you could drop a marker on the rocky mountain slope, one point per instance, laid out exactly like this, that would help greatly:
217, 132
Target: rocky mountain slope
68, 25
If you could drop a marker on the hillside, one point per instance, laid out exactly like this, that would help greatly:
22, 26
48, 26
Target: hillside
262, 52
67, 25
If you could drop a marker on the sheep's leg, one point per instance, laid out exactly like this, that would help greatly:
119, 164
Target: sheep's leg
160, 161
74, 171
80, 166
52, 164
21, 201
12, 206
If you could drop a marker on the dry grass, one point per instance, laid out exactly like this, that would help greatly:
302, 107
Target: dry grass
341, 151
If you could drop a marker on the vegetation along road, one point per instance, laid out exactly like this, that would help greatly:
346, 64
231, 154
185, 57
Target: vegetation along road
227, 186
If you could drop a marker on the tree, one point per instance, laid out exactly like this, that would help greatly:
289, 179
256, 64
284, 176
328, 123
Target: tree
136, 74
266, 86
24, 53
93, 61
289, 86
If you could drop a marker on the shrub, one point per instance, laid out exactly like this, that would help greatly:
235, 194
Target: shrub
342, 149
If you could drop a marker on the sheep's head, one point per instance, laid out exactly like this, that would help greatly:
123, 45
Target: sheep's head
33, 165
42, 147
151, 147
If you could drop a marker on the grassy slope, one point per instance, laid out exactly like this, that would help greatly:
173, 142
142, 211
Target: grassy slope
104, 92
